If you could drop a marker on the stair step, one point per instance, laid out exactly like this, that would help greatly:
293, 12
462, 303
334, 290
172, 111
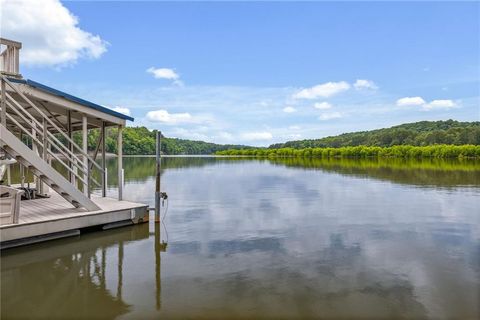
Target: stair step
30, 159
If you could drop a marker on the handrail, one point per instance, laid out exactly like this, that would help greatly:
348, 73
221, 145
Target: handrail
70, 157
43, 146
40, 133
48, 138
51, 122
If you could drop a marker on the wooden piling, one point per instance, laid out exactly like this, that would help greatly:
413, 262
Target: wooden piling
157, 175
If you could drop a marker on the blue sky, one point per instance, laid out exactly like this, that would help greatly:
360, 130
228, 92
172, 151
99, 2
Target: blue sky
260, 72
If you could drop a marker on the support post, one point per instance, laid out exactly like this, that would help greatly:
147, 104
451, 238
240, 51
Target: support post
85, 159
157, 175
36, 179
120, 162
70, 146
43, 188
104, 161
3, 114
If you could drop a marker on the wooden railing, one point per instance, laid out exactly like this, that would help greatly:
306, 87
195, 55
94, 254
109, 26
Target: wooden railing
10, 57
66, 154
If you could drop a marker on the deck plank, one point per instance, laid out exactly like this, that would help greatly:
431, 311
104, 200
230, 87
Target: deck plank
54, 214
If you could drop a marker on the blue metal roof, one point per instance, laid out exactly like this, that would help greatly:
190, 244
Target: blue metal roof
67, 96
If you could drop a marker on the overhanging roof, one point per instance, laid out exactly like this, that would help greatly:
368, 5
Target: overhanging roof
67, 96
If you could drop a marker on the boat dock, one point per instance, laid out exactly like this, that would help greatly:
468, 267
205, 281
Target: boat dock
54, 218
68, 193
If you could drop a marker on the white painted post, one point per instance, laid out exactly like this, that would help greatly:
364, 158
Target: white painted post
3, 114
104, 160
120, 162
35, 149
85, 150
106, 181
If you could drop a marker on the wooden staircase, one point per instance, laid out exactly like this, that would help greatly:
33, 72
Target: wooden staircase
40, 168
20, 116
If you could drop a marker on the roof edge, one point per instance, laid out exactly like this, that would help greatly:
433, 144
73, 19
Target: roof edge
72, 98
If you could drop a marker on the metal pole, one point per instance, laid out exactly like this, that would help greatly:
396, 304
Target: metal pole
157, 175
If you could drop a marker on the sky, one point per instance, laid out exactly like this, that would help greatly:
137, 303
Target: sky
256, 73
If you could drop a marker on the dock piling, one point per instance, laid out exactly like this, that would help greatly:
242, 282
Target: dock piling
157, 175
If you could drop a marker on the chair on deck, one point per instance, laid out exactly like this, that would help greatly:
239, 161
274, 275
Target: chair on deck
9, 204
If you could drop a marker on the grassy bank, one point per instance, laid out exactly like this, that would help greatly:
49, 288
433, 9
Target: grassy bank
434, 151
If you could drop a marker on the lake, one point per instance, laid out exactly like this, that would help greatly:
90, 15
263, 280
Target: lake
259, 238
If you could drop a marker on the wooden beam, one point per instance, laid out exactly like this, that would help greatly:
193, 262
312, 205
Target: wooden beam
68, 104
12, 43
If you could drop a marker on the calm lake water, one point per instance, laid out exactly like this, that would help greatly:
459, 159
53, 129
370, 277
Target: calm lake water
283, 239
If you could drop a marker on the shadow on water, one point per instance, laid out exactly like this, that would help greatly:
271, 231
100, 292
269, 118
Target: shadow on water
68, 281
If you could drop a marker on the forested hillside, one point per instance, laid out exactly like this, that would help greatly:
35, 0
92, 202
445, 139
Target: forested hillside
421, 133
141, 141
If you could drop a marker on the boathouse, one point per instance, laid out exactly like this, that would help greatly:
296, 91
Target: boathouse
69, 188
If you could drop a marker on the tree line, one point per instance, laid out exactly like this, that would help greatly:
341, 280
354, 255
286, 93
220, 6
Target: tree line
423, 133
141, 141
433, 151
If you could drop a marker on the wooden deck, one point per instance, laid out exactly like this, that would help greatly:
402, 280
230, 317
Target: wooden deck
48, 218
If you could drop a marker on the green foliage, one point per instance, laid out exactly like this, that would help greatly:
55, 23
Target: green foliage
141, 141
434, 151
421, 133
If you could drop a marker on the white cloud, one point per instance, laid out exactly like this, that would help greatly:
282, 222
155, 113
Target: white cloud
324, 90
410, 101
123, 110
289, 109
322, 105
440, 104
257, 136
49, 32
164, 116
330, 115
434, 104
362, 84
165, 73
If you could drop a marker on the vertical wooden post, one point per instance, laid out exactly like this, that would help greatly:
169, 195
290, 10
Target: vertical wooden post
70, 146
3, 121
22, 168
45, 141
120, 162
3, 114
85, 150
36, 180
42, 189
104, 161
157, 175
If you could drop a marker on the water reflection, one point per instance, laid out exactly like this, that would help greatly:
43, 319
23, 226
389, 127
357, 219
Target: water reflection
79, 278
275, 239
